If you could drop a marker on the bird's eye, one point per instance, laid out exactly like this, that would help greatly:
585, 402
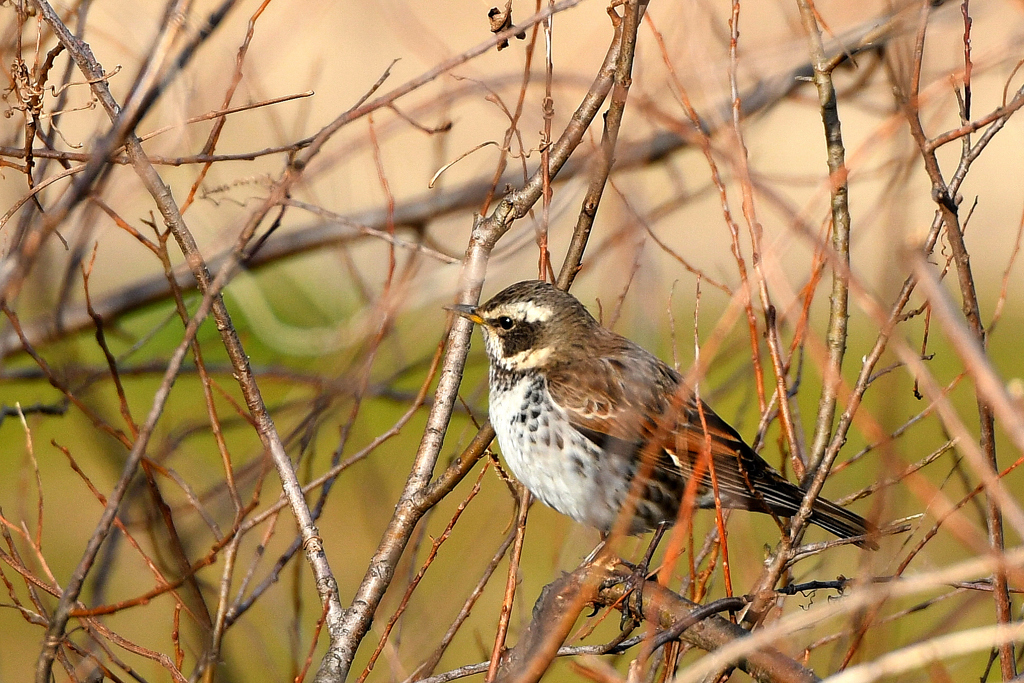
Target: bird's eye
505, 322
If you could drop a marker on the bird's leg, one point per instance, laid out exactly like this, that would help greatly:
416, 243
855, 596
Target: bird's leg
659, 533
596, 551
634, 600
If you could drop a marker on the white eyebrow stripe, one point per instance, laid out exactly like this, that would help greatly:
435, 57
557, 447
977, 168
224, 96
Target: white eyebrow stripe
531, 312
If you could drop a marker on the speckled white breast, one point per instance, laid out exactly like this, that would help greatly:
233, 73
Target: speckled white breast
555, 462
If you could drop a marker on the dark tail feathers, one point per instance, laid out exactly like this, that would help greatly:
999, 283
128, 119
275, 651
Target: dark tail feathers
784, 498
842, 522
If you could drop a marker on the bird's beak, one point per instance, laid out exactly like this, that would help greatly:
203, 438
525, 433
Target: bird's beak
466, 311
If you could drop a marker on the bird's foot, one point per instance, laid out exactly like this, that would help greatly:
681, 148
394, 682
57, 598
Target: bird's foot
632, 611
631, 603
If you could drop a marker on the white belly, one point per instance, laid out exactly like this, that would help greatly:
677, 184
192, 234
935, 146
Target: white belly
554, 461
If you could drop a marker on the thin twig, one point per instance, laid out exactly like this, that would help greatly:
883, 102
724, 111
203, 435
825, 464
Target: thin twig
835, 338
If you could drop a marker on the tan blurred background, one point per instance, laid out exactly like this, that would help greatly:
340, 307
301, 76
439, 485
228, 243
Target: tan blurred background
307, 320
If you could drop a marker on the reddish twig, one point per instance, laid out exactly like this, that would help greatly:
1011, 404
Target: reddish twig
510, 584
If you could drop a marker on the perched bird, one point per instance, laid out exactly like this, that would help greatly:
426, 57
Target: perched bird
577, 409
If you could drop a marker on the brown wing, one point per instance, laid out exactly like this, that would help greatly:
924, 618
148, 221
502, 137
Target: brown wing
631, 404
623, 399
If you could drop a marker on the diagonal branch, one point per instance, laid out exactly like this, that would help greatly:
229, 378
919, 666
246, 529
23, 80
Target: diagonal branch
414, 501
605, 583
420, 210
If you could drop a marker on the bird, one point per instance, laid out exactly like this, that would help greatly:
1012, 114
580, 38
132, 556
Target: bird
580, 412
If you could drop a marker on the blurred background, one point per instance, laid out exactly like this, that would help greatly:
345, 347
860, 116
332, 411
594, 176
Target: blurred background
340, 309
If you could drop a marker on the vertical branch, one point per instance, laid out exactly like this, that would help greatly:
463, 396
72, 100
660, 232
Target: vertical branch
948, 210
704, 139
779, 365
513, 125
13, 269
612, 121
510, 584
218, 124
427, 667
835, 338
389, 197
416, 496
705, 454
212, 303
543, 265
418, 576
59, 618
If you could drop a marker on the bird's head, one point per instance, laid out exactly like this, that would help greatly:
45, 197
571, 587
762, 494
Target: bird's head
532, 325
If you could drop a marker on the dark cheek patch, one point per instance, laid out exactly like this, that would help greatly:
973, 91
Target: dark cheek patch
520, 338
